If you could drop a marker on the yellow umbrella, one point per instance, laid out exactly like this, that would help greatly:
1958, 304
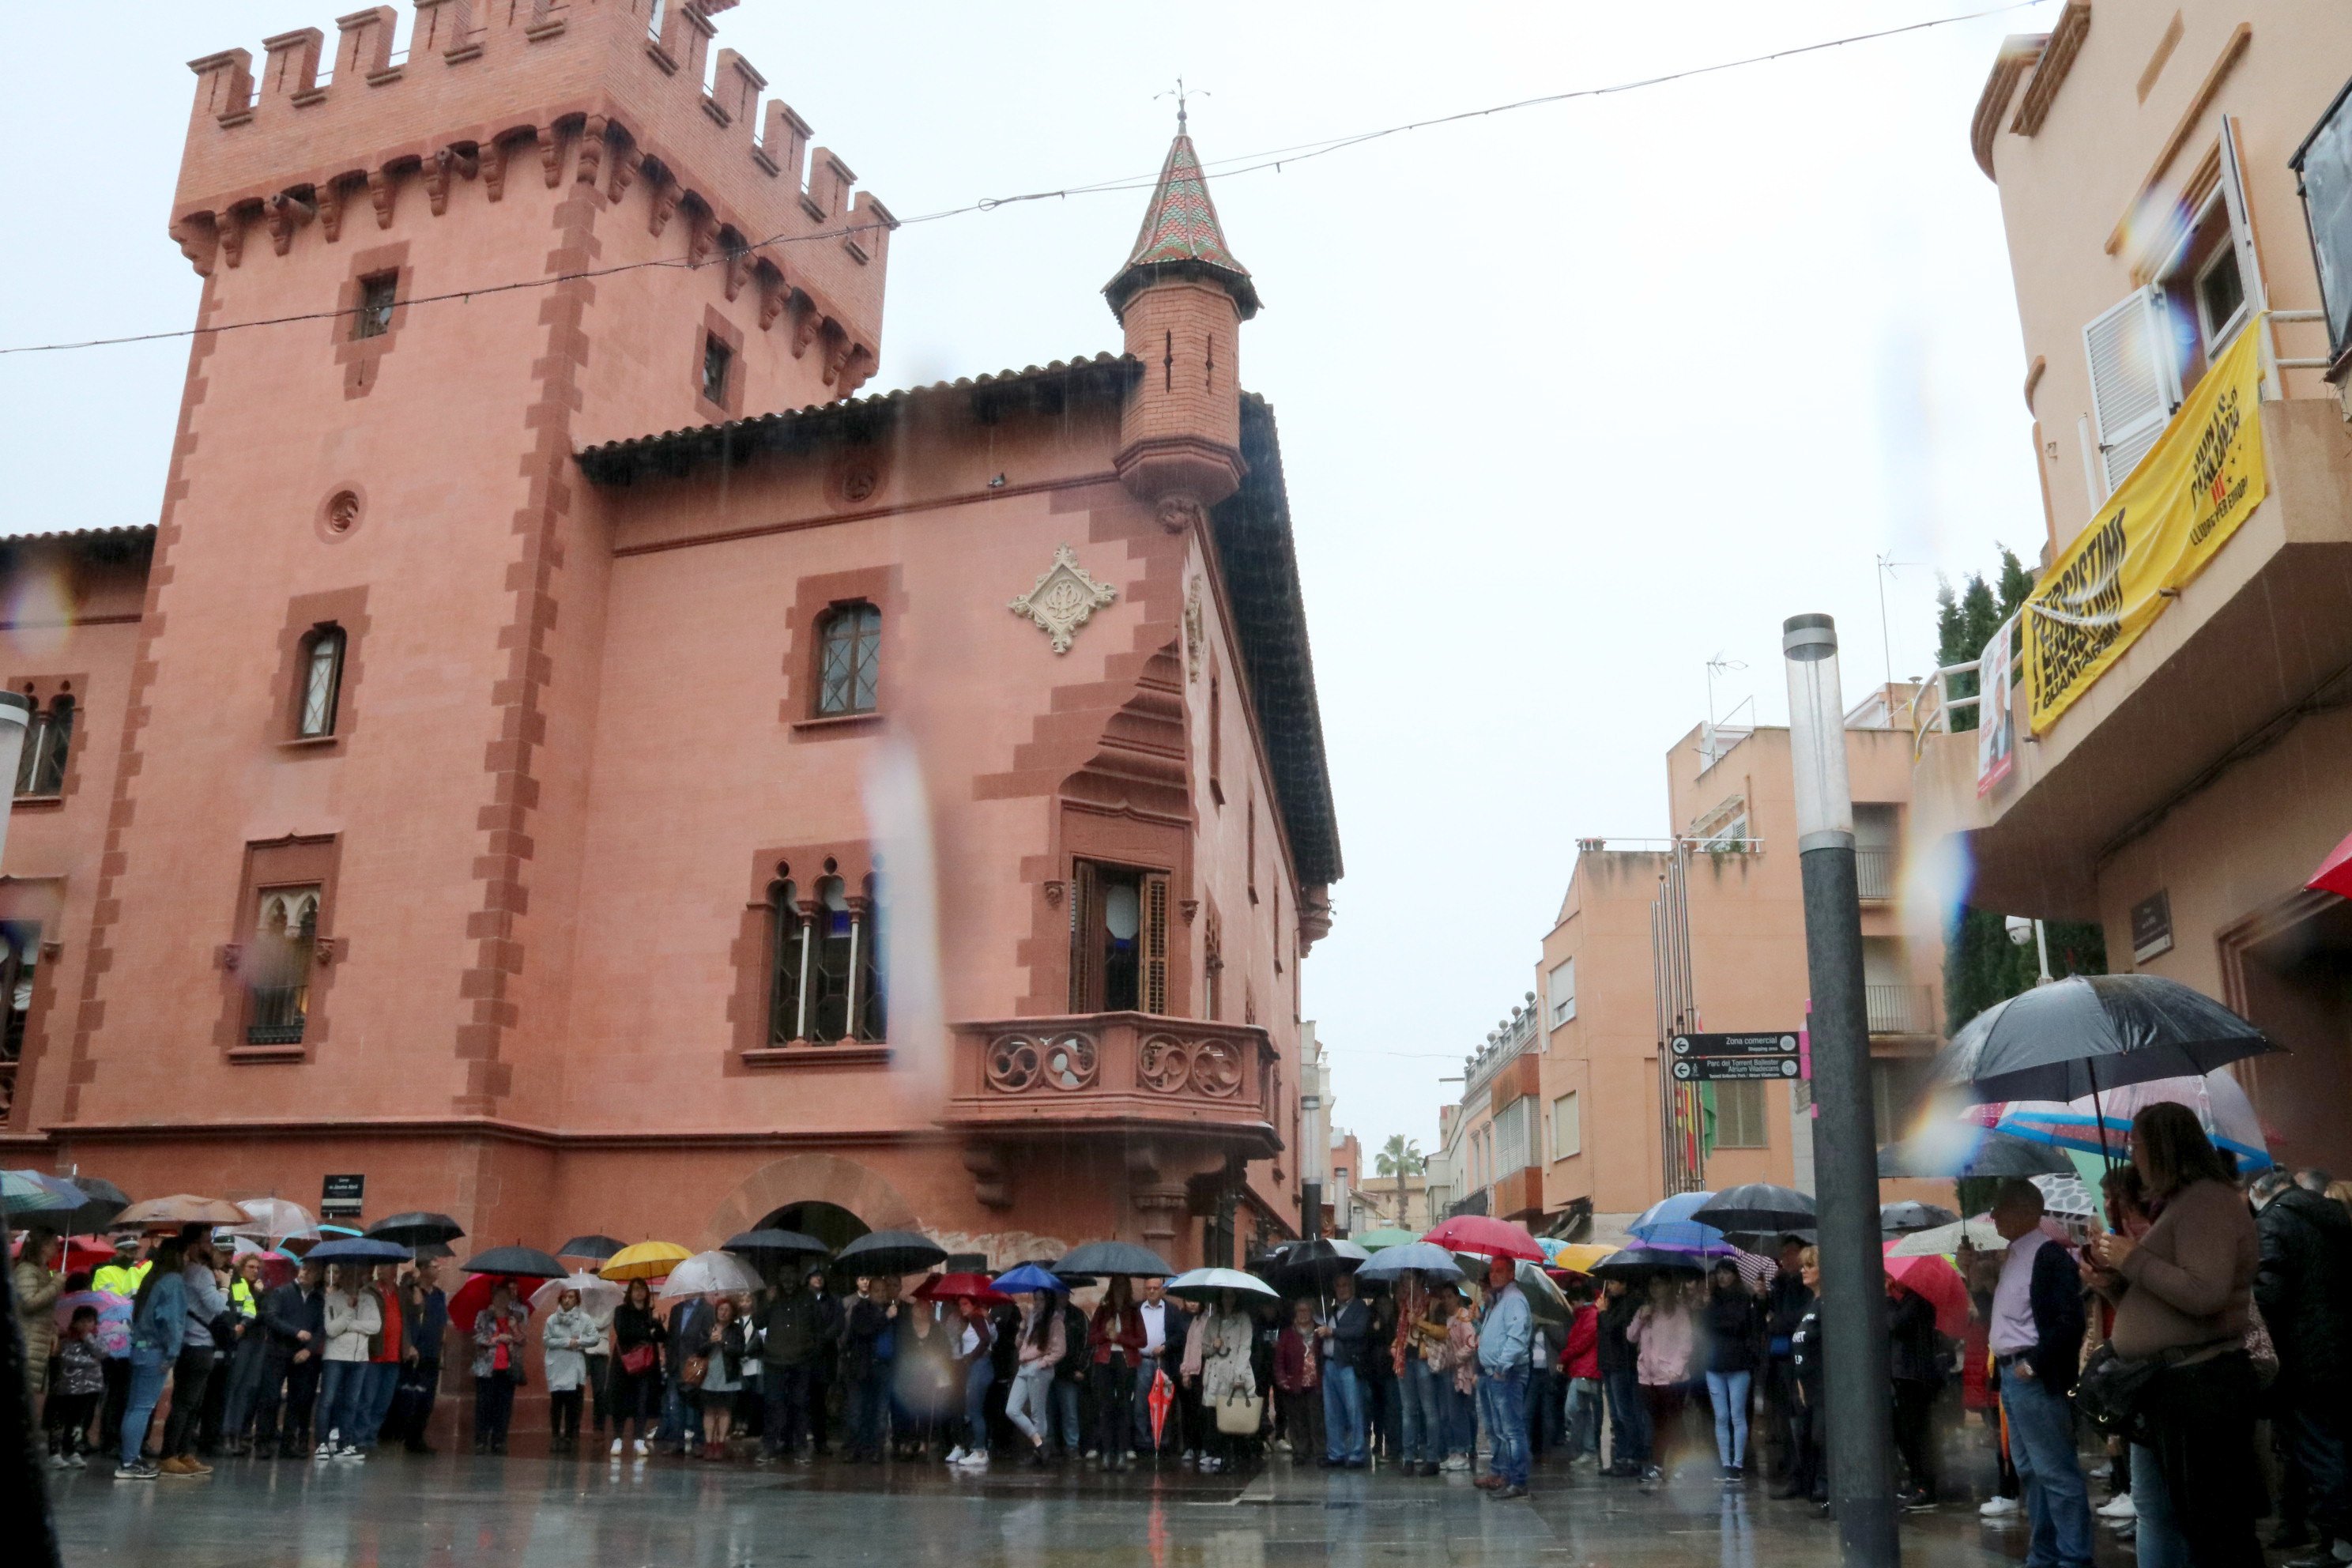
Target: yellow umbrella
1579, 1256
646, 1260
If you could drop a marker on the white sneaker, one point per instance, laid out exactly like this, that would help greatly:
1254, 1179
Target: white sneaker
326, 1450
616, 1448
350, 1451
956, 1454
1998, 1507
2118, 1507
642, 1450
976, 1461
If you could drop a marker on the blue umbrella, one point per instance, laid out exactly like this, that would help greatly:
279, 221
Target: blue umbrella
1411, 1257
31, 1192
1668, 1223
357, 1250
1030, 1277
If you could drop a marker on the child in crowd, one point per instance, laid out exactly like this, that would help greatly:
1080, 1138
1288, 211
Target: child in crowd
81, 1384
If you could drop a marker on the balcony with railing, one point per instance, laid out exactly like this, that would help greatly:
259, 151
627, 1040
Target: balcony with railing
1873, 873
278, 1014
1114, 1072
1900, 1009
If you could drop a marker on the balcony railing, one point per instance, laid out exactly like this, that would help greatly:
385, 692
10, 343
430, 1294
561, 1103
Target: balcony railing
278, 1012
1111, 1071
1873, 871
1900, 1009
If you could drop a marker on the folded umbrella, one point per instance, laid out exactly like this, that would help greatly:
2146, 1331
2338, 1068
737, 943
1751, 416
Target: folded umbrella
1410, 1258
179, 1209
521, 1262
1901, 1219
598, 1297
595, 1248
417, 1229
1030, 1277
357, 1250
710, 1273
1202, 1285
1669, 1222
640, 1260
960, 1287
1484, 1236
2091, 1033
1106, 1257
776, 1243
273, 1220
1962, 1148
892, 1252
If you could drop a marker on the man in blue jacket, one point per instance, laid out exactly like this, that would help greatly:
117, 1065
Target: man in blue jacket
294, 1316
2037, 1343
1504, 1332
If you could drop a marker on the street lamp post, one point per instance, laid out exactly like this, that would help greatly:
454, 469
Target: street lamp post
1854, 1285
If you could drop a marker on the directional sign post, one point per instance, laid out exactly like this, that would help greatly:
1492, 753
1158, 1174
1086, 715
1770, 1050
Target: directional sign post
1732, 1058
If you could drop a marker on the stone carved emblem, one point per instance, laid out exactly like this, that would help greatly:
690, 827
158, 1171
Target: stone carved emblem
1192, 631
1170, 1066
1018, 1063
1064, 599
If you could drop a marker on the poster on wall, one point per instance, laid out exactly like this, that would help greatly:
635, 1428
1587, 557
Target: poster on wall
1996, 725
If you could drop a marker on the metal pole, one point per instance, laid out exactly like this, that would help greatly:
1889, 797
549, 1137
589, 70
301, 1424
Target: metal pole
1853, 1282
23, 1488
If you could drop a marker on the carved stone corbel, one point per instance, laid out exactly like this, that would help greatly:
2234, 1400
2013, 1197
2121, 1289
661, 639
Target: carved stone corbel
1054, 889
991, 1184
1188, 908
738, 272
772, 304
494, 169
807, 324
592, 151
701, 235
381, 192
198, 236
625, 164
232, 239
284, 213
227, 956
331, 211
665, 200
551, 155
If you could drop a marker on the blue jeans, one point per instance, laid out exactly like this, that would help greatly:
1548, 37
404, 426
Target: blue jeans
1504, 1396
868, 1398
1066, 1414
1028, 1408
1583, 1417
343, 1389
1629, 1418
1727, 1392
2156, 1540
1423, 1393
1460, 1418
977, 1381
2041, 1445
383, 1382
1343, 1415
149, 1368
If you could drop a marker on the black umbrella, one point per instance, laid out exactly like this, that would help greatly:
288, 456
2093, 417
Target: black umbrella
892, 1252
433, 1251
416, 1229
595, 1248
102, 1200
1993, 1155
1641, 1262
1115, 1257
1758, 1208
782, 1243
1902, 1219
528, 1262
2077, 1036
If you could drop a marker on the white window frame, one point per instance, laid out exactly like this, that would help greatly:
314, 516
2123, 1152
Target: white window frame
1568, 1145
1563, 1008
2142, 315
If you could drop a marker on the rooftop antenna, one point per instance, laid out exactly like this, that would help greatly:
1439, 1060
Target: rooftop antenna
1716, 666
1887, 567
1180, 94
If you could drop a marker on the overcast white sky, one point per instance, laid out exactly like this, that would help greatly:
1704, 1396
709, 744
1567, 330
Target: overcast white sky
1571, 398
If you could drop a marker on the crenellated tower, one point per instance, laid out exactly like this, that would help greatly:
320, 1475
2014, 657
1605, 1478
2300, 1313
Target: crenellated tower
1181, 298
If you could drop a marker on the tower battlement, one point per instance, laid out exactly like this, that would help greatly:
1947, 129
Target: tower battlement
607, 93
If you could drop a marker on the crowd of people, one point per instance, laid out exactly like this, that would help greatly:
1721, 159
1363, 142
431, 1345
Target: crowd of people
2205, 1327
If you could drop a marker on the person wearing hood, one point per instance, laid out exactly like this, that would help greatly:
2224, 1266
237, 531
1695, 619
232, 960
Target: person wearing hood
2302, 1283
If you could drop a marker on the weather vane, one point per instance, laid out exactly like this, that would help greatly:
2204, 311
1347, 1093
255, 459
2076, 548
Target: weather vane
1179, 95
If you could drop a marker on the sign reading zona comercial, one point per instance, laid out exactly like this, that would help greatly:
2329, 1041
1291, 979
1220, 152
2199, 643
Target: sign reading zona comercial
1718, 1058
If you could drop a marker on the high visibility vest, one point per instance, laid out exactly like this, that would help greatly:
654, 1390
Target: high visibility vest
121, 1280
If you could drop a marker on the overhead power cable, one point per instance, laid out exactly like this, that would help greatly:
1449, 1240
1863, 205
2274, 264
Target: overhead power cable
1241, 164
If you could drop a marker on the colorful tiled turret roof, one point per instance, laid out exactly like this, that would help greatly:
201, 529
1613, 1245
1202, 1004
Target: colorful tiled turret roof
1180, 235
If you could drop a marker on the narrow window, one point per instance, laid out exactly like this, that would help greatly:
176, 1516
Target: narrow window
1252, 847
285, 940
849, 665
1119, 940
20, 950
832, 963
1212, 967
48, 738
376, 293
322, 680
716, 357
1216, 737
788, 939
872, 1025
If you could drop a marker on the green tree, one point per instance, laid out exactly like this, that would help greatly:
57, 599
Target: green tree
1981, 964
1400, 1157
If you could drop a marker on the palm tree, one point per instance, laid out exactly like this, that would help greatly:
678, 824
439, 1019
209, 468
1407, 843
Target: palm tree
1400, 1157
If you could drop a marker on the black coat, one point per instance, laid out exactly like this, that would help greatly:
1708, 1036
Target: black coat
1615, 1352
1805, 1348
2058, 1318
2304, 1286
1735, 1323
1785, 1306
1915, 1353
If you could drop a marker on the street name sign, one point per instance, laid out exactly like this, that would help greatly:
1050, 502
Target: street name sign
1721, 1059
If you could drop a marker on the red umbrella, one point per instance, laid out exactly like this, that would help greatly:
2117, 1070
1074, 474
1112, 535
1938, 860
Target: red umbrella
470, 1297
1162, 1396
2334, 873
961, 1287
91, 1252
1933, 1277
1487, 1237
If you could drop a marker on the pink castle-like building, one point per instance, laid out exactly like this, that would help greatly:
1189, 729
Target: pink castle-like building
565, 757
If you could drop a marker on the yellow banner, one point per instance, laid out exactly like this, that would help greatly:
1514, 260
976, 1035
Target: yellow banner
2202, 478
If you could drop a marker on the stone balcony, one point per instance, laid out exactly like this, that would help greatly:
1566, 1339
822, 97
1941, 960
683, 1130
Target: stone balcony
1115, 1072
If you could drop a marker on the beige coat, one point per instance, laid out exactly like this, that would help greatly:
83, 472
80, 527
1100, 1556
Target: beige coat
2192, 1278
37, 1299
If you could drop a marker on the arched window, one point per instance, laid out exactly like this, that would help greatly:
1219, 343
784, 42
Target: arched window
48, 739
832, 963
872, 1021
285, 940
322, 679
849, 644
788, 956
833, 972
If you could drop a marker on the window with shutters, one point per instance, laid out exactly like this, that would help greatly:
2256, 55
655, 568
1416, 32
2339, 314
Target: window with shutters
2135, 383
1562, 987
1212, 966
1567, 1127
1739, 1116
1118, 939
1252, 846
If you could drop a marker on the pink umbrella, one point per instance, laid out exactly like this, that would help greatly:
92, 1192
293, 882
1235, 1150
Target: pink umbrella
1486, 1237
1935, 1278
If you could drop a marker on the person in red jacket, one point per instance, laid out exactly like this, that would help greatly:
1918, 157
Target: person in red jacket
1580, 1362
1115, 1337
1295, 1380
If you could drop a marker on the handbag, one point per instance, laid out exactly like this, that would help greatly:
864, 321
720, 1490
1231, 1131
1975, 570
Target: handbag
2109, 1388
690, 1374
637, 1359
1240, 1414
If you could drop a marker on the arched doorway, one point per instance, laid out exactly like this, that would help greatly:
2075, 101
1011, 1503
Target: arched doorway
829, 1222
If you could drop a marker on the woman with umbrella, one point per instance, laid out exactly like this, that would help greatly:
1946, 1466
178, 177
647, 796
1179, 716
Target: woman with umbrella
1217, 1364
1917, 1366
1042, 1341
974, 1340
869, 1344
637, 1338
721, 1354
159, 1322
567, 1336
498, 1331
1735, 1332
37, 1285
1116, 1338
1418, 1355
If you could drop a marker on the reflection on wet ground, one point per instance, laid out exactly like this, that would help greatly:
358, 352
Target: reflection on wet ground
396, 1510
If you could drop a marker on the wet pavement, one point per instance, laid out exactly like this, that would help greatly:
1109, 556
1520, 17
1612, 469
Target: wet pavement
458, 1510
